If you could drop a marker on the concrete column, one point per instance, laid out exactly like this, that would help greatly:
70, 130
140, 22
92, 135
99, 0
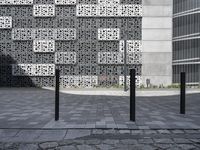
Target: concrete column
157, 42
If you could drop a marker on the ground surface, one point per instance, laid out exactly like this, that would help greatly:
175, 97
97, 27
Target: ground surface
98, 139
97, 120
34, 109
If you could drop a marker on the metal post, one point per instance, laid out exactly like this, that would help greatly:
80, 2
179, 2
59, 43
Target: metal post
125, 66
57, 86
199, 76
132, 95
182, 93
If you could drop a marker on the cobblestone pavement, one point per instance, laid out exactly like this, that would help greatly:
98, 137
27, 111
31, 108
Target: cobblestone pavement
98, 139
34, 108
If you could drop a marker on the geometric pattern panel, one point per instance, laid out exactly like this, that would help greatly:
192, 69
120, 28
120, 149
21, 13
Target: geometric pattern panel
106, 10
5, 22
43, 10
114, 58
65, 2
43, 46
65, 34
134, 46
65, 58
137, 81
131, 46
33, 69
22, 34
134, 58
108, 1
60, 38
110, 58
100, 70
43, 34
121, 46
108, 34
78, 81
16, 2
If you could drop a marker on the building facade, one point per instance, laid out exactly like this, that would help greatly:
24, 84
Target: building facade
85, 40
186, 41
157, 42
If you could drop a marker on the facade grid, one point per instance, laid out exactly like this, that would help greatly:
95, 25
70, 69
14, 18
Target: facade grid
37, 36
186, 41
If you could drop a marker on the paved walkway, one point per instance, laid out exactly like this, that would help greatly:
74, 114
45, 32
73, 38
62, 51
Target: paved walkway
97, 139
120, 92
34, 109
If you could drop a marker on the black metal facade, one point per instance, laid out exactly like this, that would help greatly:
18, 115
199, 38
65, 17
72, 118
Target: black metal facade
86, 44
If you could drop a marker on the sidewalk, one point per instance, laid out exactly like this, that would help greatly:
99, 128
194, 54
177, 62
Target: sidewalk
93, 122
95, 139
35, 109
120, 92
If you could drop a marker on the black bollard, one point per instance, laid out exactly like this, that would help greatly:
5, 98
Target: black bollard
57, 86
125, 66
132, 95
182, 93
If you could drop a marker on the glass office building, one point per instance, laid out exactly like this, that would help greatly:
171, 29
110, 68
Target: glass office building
186, 40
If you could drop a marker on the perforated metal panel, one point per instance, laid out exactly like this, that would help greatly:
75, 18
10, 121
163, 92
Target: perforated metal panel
5, 22
33, 69
43, 46
16, 2
83, 38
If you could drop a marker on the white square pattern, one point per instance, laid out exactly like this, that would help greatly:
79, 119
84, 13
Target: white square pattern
134, 54
121, 46
78, 81
33, 69
43, 46
65, 57
118, 58
108, 10
121, 80
5, 22
134, 49
16, 2
43, 10
134, 46
44, 34
65, 2
108, 34
108, 1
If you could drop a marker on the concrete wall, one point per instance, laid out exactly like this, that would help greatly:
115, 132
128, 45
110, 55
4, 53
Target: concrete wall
157, 42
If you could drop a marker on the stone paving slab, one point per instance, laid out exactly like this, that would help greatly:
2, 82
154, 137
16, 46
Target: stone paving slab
34, 109
98, 139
